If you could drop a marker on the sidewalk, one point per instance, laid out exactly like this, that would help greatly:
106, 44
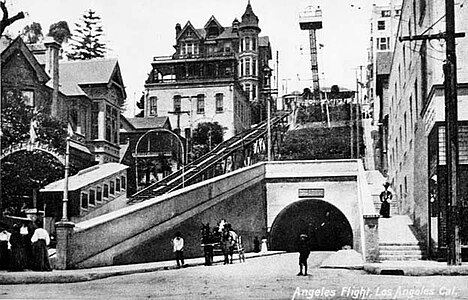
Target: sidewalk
416, 268
79, 275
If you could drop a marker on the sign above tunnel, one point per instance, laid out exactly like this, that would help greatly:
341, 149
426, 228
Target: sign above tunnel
307, 193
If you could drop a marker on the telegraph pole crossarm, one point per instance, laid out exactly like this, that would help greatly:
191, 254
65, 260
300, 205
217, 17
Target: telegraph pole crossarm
437, 36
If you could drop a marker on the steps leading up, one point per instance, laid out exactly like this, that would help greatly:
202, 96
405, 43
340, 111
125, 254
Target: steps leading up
397, 240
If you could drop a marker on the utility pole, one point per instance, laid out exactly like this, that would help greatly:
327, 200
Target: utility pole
451, 131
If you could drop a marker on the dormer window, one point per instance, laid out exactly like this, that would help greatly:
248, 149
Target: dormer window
213, 31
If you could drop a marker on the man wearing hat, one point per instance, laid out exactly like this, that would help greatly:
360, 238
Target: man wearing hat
304, 251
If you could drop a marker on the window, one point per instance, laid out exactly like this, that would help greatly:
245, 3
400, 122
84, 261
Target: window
92, 197
385, 13
254, 44
177, 103
99, 194
254, 91
241, 45
111, 124
106, 191
28, 97
182, 49
153, 106
247, 90
200, 104
227, 47
381, 25
189, 49
94, 120
383, 43
124, 182
219, 103
242, 68
117, 185
111, 187
463, 144
247, 44
84, 200
247, 67
254, 67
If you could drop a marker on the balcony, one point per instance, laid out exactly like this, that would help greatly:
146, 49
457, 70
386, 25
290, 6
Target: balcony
193, 57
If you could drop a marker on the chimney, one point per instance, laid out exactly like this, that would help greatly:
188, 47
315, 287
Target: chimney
52, 68
178, 29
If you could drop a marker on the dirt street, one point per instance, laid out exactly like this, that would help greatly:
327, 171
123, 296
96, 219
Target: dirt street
271, 277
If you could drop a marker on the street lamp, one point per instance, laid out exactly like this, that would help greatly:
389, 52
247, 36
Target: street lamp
267, 94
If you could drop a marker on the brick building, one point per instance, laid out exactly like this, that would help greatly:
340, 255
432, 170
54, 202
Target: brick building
416, 128
213, 76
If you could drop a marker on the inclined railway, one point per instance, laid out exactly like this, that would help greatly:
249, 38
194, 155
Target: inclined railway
239, 151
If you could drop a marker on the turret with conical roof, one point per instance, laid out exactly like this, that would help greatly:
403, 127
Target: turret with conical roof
249, 19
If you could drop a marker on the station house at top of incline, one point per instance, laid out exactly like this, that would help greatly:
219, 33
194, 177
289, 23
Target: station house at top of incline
215, 75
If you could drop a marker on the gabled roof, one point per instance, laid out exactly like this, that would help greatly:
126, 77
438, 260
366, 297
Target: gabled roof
212, 20
85, 177
187, 27
148, 123
82, 72
19, 45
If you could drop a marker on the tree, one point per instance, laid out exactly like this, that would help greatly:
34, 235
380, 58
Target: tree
6, 20
86, 39
25, 171
141, 105
60, 31
32, 33
206, 136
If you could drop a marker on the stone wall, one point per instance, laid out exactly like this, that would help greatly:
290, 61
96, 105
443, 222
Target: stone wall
244, 211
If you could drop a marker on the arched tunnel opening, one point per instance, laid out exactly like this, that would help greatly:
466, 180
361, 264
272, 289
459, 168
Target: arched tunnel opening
325, 225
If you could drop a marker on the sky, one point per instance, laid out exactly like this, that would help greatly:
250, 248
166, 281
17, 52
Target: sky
138, 30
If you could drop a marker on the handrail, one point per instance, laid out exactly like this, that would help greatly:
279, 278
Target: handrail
219, 153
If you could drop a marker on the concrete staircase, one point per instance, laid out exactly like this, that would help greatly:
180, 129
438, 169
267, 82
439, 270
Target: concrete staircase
397, 241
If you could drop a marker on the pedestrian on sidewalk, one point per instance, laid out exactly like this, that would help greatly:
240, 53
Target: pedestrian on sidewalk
178, 247
18, 250
264, 248
304, 251
256, 243
385, 198
26, 230
4, 251
40, 240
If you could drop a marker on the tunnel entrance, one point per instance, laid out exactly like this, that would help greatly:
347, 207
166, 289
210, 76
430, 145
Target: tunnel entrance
326, 226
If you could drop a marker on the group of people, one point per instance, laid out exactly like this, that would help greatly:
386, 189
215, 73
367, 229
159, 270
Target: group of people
222, 236
25, 247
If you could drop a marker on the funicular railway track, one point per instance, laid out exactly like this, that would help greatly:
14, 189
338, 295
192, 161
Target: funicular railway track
208, 165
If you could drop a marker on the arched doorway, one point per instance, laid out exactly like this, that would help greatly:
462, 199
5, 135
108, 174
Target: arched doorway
327, 227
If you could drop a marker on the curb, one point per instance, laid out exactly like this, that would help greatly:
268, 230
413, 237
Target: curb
408, 270
82, 275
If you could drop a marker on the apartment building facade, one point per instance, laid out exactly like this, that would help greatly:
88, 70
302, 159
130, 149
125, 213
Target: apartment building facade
416, 128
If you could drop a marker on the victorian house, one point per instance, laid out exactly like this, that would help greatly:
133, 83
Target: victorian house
213, 76
86, 95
